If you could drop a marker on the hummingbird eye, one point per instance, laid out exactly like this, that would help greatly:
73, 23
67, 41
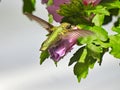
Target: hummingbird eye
68, 26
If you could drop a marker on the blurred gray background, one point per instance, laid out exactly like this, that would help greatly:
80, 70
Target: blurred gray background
20, 40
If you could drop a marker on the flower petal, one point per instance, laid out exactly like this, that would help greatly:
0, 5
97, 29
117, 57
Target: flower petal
59, 2
52, 10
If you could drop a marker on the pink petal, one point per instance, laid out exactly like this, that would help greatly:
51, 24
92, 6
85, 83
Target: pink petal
53, 10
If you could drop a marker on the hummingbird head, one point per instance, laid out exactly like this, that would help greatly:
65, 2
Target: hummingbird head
66, 26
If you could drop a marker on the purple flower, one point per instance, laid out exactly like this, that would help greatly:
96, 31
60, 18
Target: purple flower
53, 9
93, 2
59, 2
65, 44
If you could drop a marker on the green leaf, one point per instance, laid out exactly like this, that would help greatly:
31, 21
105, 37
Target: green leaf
29, 6
95, 51
98, 19
76, 56
116, 29
100, 33
115, 45
86, 40
114, 11
83, 56
98, 10
91, 62
81, 70
44, 55
107, 19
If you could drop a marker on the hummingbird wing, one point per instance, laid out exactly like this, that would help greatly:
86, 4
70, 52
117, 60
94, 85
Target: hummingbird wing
75, 34
42, 22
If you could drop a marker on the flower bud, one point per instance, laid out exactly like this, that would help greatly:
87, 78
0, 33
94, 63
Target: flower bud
93, 2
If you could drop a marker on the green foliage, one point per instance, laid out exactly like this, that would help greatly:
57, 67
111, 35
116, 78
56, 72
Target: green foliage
29, 6
87, 18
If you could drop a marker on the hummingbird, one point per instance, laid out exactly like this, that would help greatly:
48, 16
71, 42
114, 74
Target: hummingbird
61, 38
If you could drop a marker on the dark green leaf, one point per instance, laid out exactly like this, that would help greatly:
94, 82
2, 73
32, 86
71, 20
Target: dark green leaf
76, 56
81, 68
114, 11
107, 19
111, 4
117, 23
44, 55
116, 29
29, 6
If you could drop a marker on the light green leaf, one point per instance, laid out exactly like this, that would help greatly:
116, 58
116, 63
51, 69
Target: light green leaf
100, 33
50, 18
115, 45
98, 19
86, 40
98, 10
83, 56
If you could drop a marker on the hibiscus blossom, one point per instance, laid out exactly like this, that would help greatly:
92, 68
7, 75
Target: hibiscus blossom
66, 43
56, 6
